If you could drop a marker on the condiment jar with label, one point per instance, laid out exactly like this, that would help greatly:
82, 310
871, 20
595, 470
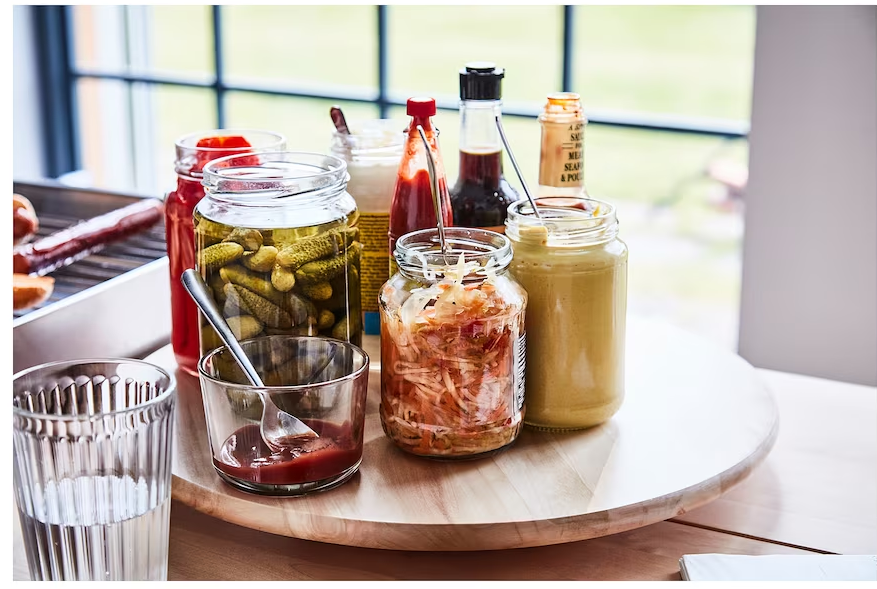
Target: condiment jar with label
562, 155
193, 151
373, 151
452, 345
278, 244
574, 269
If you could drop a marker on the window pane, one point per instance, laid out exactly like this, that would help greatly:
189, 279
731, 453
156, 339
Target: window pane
681, 219
144, 39
304, 121
127, 132
99, 37
429, 44
181, 40
301, 45
105, 133
687, 60
178, 111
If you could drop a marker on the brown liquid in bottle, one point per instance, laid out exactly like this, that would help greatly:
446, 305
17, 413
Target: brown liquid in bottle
481, 196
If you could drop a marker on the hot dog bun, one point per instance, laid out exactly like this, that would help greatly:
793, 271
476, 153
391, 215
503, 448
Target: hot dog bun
24, 219
30, 291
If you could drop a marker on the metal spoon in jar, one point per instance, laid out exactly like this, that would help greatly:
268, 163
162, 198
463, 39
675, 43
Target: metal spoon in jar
436, 197
508, 149
276, 424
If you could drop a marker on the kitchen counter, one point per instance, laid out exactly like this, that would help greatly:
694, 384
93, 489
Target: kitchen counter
814, 493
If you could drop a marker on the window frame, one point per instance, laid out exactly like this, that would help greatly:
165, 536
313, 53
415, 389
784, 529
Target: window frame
59, 75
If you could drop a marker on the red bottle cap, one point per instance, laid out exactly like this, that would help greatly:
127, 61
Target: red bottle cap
421, 106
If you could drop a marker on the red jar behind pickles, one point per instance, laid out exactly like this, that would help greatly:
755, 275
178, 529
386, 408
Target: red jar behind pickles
412, 207
452, 346
192, 153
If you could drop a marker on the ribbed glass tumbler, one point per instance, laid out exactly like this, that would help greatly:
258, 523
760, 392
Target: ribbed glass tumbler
92, 447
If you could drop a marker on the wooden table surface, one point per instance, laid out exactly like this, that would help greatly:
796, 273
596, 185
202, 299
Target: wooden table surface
814, 493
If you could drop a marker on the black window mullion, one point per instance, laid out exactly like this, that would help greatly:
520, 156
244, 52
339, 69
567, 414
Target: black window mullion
566, 74
219, 80
54, 53
383, 104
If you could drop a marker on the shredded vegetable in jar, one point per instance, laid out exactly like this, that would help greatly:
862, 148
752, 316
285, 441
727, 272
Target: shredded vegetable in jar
452, 369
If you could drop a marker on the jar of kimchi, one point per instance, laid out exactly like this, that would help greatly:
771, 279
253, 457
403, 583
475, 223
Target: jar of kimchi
452, 345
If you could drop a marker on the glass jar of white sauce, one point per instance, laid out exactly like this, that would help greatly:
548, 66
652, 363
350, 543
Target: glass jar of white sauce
372, 150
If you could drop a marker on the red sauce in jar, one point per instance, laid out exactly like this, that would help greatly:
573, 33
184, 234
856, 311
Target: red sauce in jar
245, 456
181, 256
179, 207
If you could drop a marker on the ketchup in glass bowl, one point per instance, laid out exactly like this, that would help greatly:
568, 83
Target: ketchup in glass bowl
321, 381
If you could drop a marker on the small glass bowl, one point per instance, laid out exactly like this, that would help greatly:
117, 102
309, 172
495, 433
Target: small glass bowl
333, 405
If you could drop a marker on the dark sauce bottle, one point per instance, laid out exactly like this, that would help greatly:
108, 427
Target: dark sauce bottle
481, 196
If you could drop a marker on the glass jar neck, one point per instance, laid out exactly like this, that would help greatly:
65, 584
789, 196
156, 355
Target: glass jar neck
567, 222
371, 141
414, 156
275, 179
419, 256
478, 132
562, 107
480, 144
192, 157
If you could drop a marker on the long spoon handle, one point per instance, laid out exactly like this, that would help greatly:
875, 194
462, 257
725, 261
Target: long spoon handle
193, 283
508, 150
436, 197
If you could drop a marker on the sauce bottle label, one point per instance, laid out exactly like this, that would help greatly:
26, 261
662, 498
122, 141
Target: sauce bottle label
520, 354
375, 264
562, 160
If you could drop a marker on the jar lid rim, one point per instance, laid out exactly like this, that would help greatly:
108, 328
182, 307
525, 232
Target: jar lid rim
419, 252
273, 138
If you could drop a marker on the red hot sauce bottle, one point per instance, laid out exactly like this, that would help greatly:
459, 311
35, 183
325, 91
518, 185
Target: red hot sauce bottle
481, 196
192, 154
412, 208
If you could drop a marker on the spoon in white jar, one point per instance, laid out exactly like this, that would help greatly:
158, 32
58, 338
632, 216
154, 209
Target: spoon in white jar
276, 424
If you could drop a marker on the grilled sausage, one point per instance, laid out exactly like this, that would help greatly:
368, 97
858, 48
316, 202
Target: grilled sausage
71, 244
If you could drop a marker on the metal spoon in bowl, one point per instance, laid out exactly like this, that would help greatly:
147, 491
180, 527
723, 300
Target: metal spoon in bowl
276, 424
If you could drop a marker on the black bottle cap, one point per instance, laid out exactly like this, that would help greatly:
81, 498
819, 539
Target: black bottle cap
481, 80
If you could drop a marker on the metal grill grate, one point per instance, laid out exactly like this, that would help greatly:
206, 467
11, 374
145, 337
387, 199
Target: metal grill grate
114, 260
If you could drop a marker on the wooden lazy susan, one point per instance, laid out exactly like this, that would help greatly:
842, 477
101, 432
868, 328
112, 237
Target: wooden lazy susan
695, 421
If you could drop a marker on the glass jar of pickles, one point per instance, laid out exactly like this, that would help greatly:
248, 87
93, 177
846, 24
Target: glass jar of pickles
452, 345
574, 268
277, 244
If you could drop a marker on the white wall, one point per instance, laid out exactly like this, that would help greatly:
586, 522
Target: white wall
809, 299
27, 133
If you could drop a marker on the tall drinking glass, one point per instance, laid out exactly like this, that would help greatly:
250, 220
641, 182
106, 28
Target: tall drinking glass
92, 447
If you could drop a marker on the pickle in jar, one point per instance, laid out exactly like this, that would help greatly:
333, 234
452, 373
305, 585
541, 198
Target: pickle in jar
271, 281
